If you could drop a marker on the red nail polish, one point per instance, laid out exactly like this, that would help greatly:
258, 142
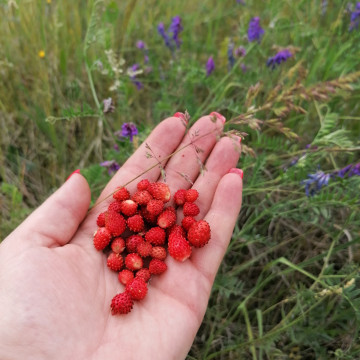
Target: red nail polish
218, 116
77, 171
179, 115
236, 171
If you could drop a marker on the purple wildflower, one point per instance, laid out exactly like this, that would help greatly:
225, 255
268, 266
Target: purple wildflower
255, 31
111, 165
165, 36
139, 85
349, 170
315, 182
242, 2
355, 17
210, 66
128, 130
230, 55
176, 28
280, 57
140, 45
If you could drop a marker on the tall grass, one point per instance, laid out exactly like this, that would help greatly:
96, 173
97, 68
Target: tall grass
288, 286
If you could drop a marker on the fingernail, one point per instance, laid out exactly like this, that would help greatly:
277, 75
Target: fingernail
218, 116
180, 115
236, 171
77, 171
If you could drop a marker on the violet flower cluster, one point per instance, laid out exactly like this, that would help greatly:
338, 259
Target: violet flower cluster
111, 165
280, 57
210, 66
355, 17
255, 31
171, 36
142, 46
128, 130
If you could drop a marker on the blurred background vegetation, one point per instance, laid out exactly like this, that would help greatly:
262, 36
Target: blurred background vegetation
288, 287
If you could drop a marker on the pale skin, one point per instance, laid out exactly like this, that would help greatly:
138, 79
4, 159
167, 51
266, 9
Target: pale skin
56, 289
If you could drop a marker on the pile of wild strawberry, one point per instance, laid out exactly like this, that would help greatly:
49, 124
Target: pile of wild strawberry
138, 231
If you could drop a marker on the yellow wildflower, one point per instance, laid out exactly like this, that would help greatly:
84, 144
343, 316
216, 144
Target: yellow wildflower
41, 54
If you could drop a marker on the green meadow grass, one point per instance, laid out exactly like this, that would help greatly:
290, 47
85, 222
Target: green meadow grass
288, 287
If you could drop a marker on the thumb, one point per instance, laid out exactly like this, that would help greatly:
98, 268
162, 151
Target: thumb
56, 221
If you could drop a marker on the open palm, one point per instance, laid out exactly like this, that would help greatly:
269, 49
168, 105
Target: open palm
55, 288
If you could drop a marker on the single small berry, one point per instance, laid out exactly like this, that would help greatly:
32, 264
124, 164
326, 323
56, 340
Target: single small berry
199, 234
141, 197
158, 252
144, 274
191, 195
115, 223
149, 218
159, 191
102, 238
137, 288
118, 245
135, 223
115, 206
100, 221
121, 303
143, 184
132, 242
178, 229
187, 221
179, 248
121, 194
128, 207
144, 249
155, 207
179, 197
166, 219
133, 261
155, 236
115, 261
157, 267
125, 276
190, 209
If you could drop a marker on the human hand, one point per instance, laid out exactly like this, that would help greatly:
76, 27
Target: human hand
56, 289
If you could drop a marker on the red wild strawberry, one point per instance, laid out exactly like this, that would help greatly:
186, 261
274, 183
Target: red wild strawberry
115, 206
157, 267
141, 197
115, 223
121, 194
100, 221
137, 288
179, 248
155, 207
115, 261
129, 207
187, 221
150, 218
118, 245
166, 219
191, 195
155, 236
190, 209
178, 229
143, 184
133, 261
199, 234
102, 238
132, 242
144, 274
125, 276
179, 197
144, 249
158, 252
159, 191
135, 223
121, 303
